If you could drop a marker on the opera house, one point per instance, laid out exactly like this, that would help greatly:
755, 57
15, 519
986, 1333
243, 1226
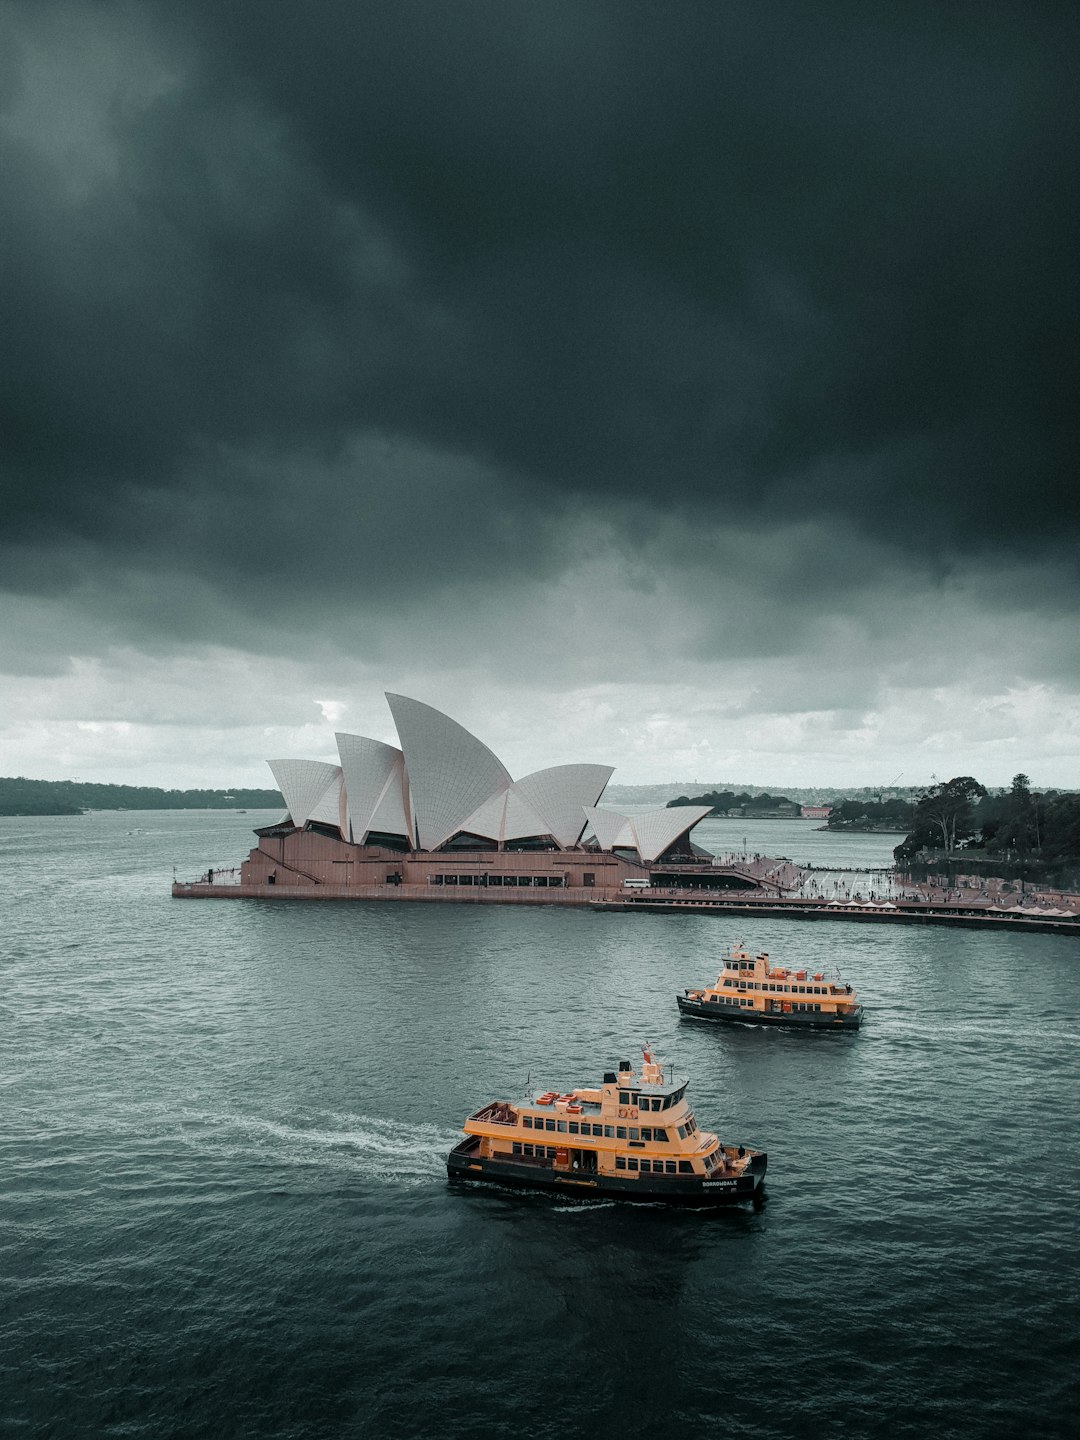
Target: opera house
441, 818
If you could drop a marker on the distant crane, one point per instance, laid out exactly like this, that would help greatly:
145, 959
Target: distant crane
890, 785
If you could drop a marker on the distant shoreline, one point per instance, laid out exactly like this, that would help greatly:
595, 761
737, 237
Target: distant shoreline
861, 829
63, 812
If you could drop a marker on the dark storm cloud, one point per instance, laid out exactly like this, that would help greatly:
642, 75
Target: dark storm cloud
377, 296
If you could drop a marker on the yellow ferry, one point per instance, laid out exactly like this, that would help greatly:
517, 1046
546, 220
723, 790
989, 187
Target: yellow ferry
633, 1137
750, 991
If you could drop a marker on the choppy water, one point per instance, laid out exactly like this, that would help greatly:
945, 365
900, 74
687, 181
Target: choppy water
223, 1208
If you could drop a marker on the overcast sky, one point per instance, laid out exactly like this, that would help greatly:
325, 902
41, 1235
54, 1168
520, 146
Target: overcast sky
688, 387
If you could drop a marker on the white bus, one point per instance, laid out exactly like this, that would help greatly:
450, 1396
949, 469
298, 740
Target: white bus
636, 884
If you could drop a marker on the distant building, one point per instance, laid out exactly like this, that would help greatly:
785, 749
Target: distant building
816, 812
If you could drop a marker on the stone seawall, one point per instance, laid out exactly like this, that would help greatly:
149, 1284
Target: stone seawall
433, 894
742, 906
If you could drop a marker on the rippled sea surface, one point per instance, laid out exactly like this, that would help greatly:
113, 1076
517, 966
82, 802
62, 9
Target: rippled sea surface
224, 1210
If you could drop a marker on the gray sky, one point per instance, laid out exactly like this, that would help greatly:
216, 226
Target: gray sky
691, 388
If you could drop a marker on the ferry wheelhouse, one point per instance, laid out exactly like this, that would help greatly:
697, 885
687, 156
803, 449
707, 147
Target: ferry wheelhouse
750, 991
633, 1137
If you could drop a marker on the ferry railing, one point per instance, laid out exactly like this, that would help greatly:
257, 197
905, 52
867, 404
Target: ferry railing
497, 1113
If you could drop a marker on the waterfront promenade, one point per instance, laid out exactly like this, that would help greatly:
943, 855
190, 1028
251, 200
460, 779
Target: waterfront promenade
881, 885
775, 887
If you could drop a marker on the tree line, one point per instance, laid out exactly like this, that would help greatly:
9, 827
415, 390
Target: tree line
1023, 828
19, 796
894, 813
723, 802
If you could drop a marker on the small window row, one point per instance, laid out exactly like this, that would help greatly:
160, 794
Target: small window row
650, 1102
655, 1167
541, 1152
559, 881
586, 1127
785, 989
564, 1127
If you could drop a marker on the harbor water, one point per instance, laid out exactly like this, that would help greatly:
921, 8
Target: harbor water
224, 1208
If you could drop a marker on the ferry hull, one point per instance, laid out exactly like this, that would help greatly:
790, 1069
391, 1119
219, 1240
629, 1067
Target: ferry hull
796, 1020
464, 1163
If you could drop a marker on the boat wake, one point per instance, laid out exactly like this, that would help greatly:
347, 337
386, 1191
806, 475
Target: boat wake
358, 1145
584, 1206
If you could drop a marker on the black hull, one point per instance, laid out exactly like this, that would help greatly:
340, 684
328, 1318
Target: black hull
796, 1020
463, 1163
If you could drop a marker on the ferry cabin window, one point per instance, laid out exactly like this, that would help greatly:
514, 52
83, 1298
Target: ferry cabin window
527, 1149
574, 1127
526, 1120
599, 1130
517, 1147
620, 1163
660, 1135
631, 1162
609, 1131
646, 1133
561, 1126
549, 1124
646, 1165
620, 1131
685, 1167
624, 1097
634, 1133
669, 1166
682, 1132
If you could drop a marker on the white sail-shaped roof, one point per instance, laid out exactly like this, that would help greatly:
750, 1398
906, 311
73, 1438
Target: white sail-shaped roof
331, 808
303, 783
451, 773
521, 819
559, 796
375, 785
609, 827
507, 816
391, 815
488, 819
649, 832
444, 781
655, 830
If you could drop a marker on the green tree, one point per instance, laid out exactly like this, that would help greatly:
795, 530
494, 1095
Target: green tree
944, 817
